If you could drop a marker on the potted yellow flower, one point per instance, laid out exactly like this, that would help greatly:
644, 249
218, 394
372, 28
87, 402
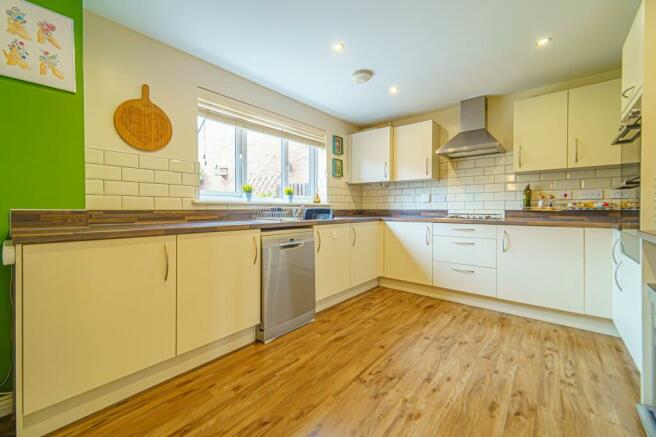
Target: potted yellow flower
247, 190
289, 193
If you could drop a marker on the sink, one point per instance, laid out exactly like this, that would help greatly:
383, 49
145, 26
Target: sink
279, 220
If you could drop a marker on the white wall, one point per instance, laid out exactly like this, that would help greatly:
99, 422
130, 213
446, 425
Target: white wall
118, 61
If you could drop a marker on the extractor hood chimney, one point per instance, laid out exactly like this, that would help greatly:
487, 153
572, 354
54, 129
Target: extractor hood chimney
473, 139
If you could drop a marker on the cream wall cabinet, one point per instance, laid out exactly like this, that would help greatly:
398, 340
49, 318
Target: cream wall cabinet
414, 151
409, 252
371, 155
332, 259
592, 125
540, 133
94, 312
218, 286
366, 253
633, 62
541, 266
599, 270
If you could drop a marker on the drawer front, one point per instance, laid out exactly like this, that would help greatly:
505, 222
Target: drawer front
465, 230
478, 280
480, 252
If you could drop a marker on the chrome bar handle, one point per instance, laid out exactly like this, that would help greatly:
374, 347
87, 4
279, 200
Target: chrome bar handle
427, 171
504, 247
385, 169
612, 252
462, 270
576, 150
462, 243
520, 156
428, 233
166, 257
318, 238
617, 282
355, 236
256, 250
625, 92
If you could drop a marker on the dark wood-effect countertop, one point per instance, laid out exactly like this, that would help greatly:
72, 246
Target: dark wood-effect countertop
37, 227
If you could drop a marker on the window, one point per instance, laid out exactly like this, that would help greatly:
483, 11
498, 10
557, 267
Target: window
231, 156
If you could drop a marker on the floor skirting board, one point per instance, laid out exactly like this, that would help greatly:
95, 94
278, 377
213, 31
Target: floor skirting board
580, 321
345, 295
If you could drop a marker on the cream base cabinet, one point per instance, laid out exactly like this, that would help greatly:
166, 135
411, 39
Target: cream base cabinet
409, 252
414, 151
541, 266
218, 286
332, 263
366, 252
371, 156
599, 271
593, 114
540, 133
94, 312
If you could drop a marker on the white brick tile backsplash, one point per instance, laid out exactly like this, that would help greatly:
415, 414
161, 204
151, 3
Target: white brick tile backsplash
596, 183
138, 175
104, 172
157, 190
168, 177
153, 162
93, 156
121, 188
574, 184
182, 191
93, 186
102, 202
132, 202
121, 159
168, 203
181, 166
189, 179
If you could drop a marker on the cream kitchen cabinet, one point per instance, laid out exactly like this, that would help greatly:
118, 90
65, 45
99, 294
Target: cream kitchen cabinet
409, 252
94, 312
592, 125
371, 155
599, 270
633, 62
541, 266
414, 151
366, 253
332, 259
218, 286
540, 133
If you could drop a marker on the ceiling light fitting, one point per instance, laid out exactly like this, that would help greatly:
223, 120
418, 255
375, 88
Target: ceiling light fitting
362, 76
543, 41
394, 90
338, 47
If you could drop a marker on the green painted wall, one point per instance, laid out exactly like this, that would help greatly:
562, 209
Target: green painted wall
41, 155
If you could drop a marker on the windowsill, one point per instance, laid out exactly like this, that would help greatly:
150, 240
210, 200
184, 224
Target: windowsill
259, 202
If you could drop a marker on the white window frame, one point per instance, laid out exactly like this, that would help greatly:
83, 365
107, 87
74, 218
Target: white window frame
241, 170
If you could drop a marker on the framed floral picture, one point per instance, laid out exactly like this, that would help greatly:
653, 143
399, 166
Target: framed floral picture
338, 168
38, 45
338, 145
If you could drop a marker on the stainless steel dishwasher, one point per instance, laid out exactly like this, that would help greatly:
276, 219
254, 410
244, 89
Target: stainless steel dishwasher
288, 295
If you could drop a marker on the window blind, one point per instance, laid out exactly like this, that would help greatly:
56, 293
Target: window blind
247, 116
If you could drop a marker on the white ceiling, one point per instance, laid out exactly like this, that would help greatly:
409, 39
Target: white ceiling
437, 51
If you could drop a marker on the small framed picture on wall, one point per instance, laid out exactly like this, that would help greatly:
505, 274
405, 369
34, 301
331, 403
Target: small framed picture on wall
338, 168
338, 145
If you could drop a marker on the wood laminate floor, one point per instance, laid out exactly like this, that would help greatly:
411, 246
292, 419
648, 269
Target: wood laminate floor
388, 363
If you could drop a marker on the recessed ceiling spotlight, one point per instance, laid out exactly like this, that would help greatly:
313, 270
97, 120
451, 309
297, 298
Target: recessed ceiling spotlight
338, 47
394, 90
362, 76
543, 41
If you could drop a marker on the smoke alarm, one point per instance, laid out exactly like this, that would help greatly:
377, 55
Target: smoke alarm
362, 76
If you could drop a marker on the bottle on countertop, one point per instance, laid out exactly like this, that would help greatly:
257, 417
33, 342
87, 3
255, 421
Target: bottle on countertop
527, 196
550, 201
541, 201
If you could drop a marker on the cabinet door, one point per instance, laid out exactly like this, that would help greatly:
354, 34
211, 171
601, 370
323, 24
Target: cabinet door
541, 266
332, 263
540, 133
94, 312
371, 155
366, 252
218, 286
593, 115
627, 307
599, 270
633, 61
414, 151
409, 252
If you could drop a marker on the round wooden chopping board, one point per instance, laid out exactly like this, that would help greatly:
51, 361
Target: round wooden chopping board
142, 124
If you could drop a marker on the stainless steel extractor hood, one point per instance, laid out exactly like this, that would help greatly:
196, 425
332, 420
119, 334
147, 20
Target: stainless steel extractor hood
474, 139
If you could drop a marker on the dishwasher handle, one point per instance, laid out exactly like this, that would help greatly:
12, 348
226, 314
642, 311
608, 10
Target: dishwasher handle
291, 244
